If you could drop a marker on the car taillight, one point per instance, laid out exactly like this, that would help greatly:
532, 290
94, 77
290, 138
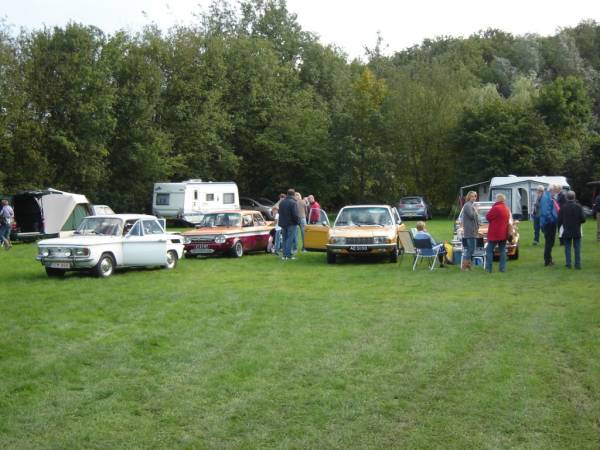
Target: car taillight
13, 226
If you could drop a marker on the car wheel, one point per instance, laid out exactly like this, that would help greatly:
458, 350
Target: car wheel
51, 272
238, 250
394, 255
171, 259
331, 257
105, 266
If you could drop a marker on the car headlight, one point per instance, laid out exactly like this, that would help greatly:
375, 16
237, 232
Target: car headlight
81, 251
338, 240
68, 252
220, 239
380, 240
187, 240
44, 252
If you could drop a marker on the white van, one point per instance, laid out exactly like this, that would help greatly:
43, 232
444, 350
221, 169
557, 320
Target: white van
190, 200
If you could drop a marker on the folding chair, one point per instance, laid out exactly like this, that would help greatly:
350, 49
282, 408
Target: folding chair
478, 253
407, 243
425, 250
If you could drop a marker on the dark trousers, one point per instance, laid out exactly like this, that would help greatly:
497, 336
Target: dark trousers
576, 248
549, 238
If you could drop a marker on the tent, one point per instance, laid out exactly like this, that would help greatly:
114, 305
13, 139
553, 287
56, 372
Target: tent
520, 192
48, 212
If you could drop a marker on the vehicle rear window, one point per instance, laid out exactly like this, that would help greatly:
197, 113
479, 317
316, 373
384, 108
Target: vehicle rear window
410, 200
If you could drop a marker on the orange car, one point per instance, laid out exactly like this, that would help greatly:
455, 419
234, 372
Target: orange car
228, 232
358, 230
512, 247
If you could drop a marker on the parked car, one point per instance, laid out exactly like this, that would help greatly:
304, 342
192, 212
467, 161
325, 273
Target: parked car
512, 247
358, 230
258, 205
100, 210
229, 232
414, 207
104, 243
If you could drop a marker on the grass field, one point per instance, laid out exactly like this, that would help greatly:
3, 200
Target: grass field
262, 353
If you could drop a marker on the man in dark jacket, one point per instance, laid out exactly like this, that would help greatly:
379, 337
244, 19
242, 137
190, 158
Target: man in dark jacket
288, 221
571, 217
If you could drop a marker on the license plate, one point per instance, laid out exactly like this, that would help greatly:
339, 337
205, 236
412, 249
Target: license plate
59, 265
359, 248
201, 250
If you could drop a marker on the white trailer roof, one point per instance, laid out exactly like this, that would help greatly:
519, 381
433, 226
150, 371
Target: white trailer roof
512, 179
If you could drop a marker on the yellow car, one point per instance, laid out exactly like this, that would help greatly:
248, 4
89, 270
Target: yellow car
358, 230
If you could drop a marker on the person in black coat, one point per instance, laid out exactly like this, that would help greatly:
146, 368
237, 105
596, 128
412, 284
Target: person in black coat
288, 221
571, 217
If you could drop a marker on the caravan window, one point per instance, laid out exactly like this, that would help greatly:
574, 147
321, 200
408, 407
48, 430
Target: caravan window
195, 195
228, 198
162, 199
210, 197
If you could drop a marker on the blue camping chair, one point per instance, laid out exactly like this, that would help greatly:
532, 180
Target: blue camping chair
426, 251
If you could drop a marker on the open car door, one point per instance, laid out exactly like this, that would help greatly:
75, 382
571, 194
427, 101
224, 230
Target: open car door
316, 232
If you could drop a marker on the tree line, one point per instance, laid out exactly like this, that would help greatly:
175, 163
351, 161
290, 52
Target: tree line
245, 94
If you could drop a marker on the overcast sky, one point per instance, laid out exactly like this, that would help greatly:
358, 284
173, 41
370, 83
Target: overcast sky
350, 24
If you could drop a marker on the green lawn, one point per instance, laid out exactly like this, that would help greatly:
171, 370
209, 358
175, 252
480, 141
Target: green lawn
261, 353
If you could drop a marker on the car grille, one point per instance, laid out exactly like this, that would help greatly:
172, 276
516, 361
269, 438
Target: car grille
359, 241
196, 239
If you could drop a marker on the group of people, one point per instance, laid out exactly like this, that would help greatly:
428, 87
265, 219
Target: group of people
6, 219
554, 211
292, 213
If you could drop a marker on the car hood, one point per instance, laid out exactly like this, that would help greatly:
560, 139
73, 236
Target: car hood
364, 231
79, 241
212, 231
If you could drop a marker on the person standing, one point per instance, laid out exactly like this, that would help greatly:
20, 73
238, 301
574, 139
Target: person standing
288, 221
315, 210
6, 219
535, 214
498, 218
548, 218
301, 219
597, 213
570, 217
470, 225
561, 199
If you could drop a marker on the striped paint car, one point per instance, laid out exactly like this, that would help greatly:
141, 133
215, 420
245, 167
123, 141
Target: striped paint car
229, 232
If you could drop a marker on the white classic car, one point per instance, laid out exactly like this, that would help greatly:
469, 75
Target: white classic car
103, 243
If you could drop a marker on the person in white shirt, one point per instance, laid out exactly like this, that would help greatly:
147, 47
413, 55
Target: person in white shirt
6, 219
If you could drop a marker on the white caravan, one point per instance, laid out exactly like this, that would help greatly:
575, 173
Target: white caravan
190, 200
520, 192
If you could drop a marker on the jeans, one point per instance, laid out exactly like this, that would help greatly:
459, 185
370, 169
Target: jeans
489, 255
577, 247
536, 229
302, 224
277, 247
469, 248
288, 239
549, 237
5, 232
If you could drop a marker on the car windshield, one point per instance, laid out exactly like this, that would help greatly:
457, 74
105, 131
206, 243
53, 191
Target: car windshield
482, 212
106, 226
266, 201
220, 220
363, 216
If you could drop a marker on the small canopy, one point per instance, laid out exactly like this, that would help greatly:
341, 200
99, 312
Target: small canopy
63, 211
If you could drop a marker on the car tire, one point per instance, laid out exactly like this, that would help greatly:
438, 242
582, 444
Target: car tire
394, 255
237, 250
52, 272
105, 267
331, 258
171, 259
189, 256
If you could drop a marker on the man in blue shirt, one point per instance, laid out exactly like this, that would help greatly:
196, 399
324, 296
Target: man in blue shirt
422, 233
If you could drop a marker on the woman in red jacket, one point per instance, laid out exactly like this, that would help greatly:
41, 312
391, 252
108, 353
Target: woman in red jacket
498, 218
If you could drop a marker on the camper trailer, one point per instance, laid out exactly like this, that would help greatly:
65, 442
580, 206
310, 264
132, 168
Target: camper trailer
47, 213
520, 192
191, 199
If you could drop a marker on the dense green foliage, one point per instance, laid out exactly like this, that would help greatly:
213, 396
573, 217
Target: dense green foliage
249, 96
256, 352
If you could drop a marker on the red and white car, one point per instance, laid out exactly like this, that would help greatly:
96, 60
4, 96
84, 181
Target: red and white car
229, 232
